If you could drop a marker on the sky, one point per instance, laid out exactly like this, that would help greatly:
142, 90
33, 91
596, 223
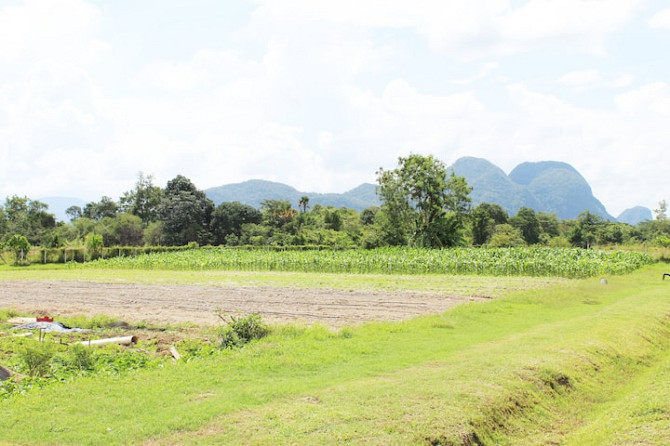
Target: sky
321, 94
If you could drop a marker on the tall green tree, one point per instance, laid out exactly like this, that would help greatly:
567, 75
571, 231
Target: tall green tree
527, 222
484, 218
20, 246
277, 213
143, 200
229, 218
27, 217
422, 204
303, 204
585, 232
106, 207
186, 213
123, 230
74, 212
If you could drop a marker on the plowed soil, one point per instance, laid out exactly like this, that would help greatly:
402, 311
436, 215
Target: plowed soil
174, 304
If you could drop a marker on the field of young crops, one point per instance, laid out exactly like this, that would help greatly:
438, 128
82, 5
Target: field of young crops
532, 261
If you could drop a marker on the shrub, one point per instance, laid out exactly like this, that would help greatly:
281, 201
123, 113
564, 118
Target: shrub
241, 330
37, 358
81, 357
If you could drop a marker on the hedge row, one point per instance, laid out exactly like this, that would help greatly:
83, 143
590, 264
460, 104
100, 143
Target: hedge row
81, 254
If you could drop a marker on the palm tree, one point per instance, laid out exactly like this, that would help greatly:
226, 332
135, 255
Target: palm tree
304, 203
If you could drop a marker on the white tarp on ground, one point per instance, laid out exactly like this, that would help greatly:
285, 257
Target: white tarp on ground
50, 326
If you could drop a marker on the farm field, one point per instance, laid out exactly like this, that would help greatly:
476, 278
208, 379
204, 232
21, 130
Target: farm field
174, 297
520, 360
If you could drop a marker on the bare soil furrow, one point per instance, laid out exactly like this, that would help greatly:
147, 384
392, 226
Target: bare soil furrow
173, 304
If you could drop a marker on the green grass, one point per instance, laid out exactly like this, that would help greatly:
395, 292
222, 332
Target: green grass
448, 284
529, 368
638, 413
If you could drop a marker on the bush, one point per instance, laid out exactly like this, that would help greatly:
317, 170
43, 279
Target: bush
37, 358
81, 357
241, 330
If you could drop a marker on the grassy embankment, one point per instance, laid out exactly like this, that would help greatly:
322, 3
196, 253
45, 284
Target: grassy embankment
577, 363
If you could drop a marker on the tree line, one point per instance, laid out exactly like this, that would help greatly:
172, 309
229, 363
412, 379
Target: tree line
423, 204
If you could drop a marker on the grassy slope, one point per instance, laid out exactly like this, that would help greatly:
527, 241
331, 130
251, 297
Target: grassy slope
511, 371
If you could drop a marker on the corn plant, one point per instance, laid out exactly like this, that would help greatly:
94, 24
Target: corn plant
524, 261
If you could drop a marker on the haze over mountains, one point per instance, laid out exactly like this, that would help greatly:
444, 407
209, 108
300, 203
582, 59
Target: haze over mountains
546, 186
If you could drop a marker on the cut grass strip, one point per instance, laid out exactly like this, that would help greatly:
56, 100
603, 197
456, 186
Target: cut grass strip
456, 285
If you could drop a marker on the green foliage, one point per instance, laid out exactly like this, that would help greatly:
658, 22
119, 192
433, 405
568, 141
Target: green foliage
96, 211
7, 313
29, 218
94, 243
529, 225
585, 233
662, 241
277, 213
303, 203
36, 357
239, 331
229, 220
20, 246
506, 236
153, 234
186, 213
422, 203
525, 261
143, 201
483, 221
123, 230
81, 357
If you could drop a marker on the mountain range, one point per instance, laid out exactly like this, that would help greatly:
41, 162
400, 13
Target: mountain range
545, 186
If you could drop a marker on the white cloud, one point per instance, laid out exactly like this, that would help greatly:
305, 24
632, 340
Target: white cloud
652, 100
473, 29
485, 71
591, 79
49, 29
661, 19
578, 25
204, 70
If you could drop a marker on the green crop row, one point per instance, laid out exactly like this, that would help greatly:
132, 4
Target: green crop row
530, 261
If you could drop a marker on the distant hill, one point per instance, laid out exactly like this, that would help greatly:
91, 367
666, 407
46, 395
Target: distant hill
546, 186
58, 205
490, 184
253, 192
559, 189
635, 215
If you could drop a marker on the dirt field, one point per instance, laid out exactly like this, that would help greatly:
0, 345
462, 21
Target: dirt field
198, 304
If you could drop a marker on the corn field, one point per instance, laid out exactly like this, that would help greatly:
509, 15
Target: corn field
530, 261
